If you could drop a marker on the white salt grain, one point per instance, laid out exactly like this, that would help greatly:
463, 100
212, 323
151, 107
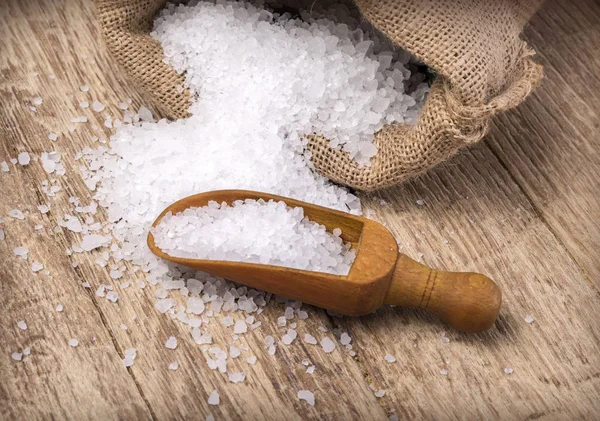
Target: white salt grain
43, 209
310, 369
4, 166
171, 342
508, 370
21, 252
84, 104
529, 319
37, 101
84, 88
308, 396
310, 339
17, 356
240, 327
251, 360
213, 399
27, 351
345, 339
237, 377
327, 344
245, 232
22, 325
444, 372
380, 393
24, 158
36, 266
97, 106
53, 136
390, 358
234, 352
289, 337
59, 308
420, 202
173, 366
73, 342
16, 213
130, 354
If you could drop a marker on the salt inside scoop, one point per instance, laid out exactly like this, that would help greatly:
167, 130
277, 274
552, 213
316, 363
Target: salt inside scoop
254, 231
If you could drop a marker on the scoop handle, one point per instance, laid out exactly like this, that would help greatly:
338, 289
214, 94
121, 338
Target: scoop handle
467, 301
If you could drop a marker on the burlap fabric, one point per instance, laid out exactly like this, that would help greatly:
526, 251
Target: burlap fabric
474, 46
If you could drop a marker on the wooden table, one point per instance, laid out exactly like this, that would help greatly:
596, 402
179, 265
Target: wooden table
521, 206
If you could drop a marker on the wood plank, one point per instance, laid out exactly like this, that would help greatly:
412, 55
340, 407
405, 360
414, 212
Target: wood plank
55, 379
61, 35
476, 218
551, 143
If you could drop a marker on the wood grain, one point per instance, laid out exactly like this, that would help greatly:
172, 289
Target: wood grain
551, 144
521, 207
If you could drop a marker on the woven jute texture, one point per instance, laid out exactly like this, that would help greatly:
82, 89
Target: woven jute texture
483, 68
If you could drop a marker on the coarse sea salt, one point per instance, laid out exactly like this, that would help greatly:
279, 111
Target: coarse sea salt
338, 79
256, 232
308, 396
171, 342
213, 398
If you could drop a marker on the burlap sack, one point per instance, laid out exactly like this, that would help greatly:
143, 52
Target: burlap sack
474, 46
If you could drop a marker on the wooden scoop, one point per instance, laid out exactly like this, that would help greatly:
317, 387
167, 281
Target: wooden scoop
380, 275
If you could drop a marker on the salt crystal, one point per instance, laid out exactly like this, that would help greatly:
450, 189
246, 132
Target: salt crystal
17, 356
380, 393
84, 104
444, 372
252, 359
43, 209
4, 166
327, 344
289, 337
240, 327
73, 342
37, 101
16, 213
22, 325
112, 296
310, 369
508, 370
171, 342
97, 106
22, 252
36, 266
234, 352
59, 308
310, 339
236, 377
130, 354
390, 358
345, 338
308, 396
145, 114
24, 158
173, 366
213, 398
420, 202
115, 274
84, 88
93, 241
27, 351
53, 137
201, 233
529, 319
123, 326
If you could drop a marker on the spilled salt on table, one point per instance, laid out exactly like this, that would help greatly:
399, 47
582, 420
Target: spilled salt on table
256, 232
